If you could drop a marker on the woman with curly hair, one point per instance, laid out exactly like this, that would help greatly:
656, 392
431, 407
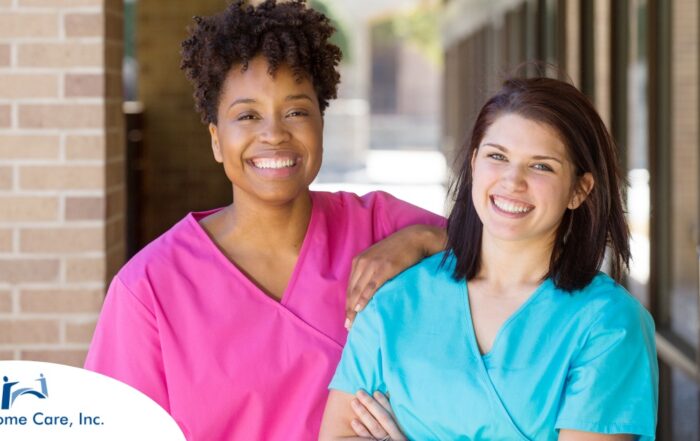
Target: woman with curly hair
233, 320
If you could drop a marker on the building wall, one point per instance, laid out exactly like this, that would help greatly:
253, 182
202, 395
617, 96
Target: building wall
61, 173
179, 172
685, 139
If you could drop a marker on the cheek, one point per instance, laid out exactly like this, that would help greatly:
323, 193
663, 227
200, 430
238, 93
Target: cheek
483, 176
555, 194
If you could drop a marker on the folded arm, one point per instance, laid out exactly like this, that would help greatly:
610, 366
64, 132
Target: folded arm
359, 417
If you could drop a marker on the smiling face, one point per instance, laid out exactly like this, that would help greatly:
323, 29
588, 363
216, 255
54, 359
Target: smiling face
268, 134
523, 181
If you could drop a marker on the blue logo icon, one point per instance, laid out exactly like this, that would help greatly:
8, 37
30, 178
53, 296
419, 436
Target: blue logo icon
9, 396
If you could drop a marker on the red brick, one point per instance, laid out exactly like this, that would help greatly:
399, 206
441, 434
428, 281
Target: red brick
4, 54
14, 25
5, 115
5, 240
28, 86
5, 178
85, 147
5, 301
18, 270
69, 177
28, 331
61, 116
71, 54
84, 25
80, 332
29, 147
28, 208
84, 85
61, 240
69, 357
59, 3
85, 269
85, 208
61, 301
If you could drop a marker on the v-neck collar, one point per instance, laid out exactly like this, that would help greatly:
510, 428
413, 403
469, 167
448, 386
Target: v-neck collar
481, 359
506, 323
194, 218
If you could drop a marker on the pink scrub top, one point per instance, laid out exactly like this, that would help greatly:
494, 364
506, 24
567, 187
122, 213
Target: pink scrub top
182, 324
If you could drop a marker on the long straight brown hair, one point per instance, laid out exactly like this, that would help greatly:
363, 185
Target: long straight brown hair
584, 233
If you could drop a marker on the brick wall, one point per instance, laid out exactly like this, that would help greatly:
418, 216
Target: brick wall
61, 173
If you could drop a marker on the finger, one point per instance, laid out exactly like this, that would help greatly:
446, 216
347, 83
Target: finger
356, 272
365, 276
378, 412
385, 415
384, 401
360, 429
367, 419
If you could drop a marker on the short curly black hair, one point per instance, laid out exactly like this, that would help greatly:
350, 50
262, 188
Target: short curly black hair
284, 33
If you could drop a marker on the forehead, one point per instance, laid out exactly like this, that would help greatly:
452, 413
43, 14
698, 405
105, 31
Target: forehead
522, 135
257, 82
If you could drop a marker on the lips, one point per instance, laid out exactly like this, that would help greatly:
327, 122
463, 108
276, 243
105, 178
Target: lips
511, 206
275, 163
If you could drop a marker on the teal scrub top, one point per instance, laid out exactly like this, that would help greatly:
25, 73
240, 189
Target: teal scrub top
582, 360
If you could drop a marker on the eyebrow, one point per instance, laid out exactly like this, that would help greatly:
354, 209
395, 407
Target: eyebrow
301, 96
536, 157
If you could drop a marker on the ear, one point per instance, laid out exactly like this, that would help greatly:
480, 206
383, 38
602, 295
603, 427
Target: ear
215, 146
584, 185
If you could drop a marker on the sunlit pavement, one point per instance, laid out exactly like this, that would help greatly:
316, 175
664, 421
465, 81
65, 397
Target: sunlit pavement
418, 177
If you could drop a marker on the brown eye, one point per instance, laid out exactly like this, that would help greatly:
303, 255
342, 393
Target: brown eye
245, 117
297, 113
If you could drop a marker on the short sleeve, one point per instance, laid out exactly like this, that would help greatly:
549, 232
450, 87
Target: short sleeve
360, 366
126, 344
392, 214
612, 383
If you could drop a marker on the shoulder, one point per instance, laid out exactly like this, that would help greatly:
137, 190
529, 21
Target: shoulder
156, 259
604, 293
348, 200
608, 305
417, 286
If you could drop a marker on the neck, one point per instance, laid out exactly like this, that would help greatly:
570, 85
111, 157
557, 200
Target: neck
268, 226
510, 264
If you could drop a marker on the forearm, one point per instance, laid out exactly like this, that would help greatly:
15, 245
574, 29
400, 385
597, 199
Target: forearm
575, 435
430, 239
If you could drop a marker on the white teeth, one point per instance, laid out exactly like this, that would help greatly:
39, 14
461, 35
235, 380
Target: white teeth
511, 207
273, 163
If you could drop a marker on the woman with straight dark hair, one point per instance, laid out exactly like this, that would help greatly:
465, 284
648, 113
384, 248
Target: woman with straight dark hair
513, 333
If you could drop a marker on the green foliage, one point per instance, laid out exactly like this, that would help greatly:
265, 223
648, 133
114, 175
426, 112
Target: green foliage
419, 26
340, 38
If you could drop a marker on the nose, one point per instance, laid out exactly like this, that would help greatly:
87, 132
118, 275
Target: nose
274, 132
514, 179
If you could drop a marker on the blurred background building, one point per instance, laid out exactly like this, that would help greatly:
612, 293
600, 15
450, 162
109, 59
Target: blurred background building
101, 150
